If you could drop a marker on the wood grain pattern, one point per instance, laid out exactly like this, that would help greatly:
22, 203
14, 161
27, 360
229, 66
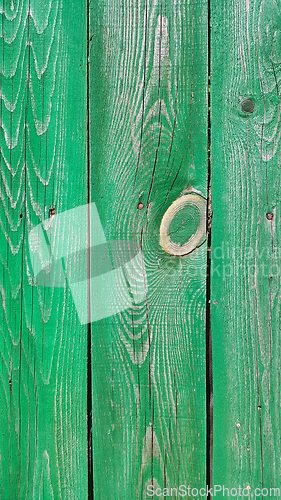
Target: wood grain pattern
245, 286
43, 437
148, 133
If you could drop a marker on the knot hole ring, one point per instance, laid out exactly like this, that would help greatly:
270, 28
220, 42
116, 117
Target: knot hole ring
183, 226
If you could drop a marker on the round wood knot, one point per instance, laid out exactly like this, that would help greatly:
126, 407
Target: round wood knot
183, 226
248, 106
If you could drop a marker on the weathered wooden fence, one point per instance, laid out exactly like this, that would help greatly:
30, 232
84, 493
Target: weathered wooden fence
152, 116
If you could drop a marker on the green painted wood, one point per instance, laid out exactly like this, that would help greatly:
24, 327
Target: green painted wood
245, 284
43, 432
148, 138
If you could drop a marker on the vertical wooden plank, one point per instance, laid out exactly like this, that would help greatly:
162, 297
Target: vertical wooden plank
43, 438
245, 286
148, 133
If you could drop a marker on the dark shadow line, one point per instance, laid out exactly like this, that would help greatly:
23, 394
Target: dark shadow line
89, 330
209, 364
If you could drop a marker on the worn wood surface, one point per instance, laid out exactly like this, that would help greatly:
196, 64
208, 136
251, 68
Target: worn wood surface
43, 430
148, 133
245, 284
